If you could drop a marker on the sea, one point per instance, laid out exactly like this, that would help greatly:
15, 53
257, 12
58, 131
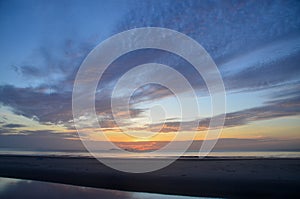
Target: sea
122, 154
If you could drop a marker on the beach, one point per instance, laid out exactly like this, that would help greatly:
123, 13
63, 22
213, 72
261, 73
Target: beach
229, 177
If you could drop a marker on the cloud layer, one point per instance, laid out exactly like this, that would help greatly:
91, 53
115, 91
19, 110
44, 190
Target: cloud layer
256, 46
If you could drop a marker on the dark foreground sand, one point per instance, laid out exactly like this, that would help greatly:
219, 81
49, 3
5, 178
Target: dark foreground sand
193, 177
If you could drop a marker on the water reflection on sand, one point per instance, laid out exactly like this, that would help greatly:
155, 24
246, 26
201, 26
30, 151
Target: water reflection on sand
15, 188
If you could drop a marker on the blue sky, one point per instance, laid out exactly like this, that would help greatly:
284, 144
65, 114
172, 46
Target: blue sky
255, 44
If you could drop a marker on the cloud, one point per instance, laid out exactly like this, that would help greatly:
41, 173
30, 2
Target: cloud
40, 140
238, 40
273, 109
57, 141
253, 51
13, 125
258, 144
283, 107
140, 146
223, 28
264, 76
31, 103
55, 108
245, 46
53, 67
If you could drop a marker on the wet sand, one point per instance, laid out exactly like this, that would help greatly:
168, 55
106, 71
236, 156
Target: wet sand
235, 178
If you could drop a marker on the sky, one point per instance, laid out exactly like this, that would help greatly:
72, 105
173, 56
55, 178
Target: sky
255, 45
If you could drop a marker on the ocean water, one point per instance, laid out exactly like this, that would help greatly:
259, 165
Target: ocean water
190, 154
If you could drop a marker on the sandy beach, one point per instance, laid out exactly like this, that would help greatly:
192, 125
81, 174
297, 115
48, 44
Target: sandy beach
268, 177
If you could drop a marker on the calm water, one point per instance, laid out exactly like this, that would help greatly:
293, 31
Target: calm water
119, 154
15, 188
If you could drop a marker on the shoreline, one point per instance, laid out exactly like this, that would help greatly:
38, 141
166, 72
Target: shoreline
185, 158
242, 177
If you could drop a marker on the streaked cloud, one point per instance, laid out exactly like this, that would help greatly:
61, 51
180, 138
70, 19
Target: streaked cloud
256, 46
289, 106
13, 125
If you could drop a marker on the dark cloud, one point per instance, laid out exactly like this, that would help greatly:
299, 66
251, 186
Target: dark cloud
222, 27
259, 144
272, 109
29, 70
56, 108
54, 66
50, 133
32, 103
290, 90
264, 76
52, 108
4, 131
227, 30
13, 125
55, 141
40, 140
